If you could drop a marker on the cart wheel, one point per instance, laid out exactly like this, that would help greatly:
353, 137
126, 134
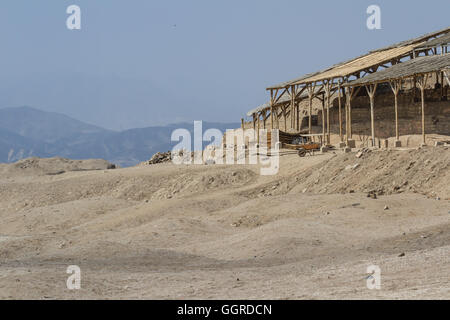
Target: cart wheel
301, 152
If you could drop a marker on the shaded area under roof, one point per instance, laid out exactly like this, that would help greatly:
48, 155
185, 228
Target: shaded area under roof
406, 69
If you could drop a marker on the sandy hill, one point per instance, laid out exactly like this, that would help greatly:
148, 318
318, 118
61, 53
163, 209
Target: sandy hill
218, 231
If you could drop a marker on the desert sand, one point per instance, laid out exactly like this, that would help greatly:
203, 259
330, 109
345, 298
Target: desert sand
225, 232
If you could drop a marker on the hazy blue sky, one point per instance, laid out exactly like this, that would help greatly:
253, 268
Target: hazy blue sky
142, 62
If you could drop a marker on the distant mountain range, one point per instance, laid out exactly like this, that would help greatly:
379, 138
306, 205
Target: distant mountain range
27, 132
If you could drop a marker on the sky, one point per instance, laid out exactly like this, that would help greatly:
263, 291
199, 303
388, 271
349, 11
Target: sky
152, 62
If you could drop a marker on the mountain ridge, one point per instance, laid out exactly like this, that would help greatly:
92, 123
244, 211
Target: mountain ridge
27, 132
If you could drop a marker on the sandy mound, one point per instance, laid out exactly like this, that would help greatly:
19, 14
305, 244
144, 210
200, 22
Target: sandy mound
383, 172
52, 166
425, 171
168, 232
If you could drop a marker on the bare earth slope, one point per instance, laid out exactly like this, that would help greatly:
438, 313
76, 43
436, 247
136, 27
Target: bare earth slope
166, 231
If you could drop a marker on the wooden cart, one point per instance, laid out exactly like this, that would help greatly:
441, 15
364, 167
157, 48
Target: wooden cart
306, 142
303, 149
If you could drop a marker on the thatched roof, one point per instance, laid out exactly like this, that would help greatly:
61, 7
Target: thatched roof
364, 62
440, 41
418, 66
425, 37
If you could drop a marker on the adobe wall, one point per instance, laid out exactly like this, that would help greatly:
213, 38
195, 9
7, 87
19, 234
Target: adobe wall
437, 113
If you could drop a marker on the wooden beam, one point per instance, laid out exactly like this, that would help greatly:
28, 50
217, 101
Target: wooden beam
350, 91
271, 108
447, 76
292, 106
259, 125
371, 89
422, 82
310, 87
328, 88
395, 86
340, 111
323, 117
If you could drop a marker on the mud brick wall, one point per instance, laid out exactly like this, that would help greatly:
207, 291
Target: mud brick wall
437, 113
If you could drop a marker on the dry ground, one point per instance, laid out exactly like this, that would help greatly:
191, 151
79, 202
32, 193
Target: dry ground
225, 232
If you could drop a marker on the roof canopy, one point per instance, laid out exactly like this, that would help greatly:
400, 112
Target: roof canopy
414, 67
440, 41
286, 98
372, 59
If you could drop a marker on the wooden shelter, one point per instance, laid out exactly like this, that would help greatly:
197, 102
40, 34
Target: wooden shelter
418, 70
322, 85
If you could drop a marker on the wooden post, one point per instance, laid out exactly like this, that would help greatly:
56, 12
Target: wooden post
242, 123
323, 117
292, 107
264, 119
340, 111
350, 131
271, 109
284, 117
442, 85
348, 103
421, 82
278, 120
346, 116
259, 124
254, 122
395, 86
371, 89
327, 88
422, 96
446, 75
310, 88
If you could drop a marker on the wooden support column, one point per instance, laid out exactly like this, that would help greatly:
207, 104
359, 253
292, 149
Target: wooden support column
278, 120
264, 119
310, 89
271, 108
254, 122
292, 107
422, 82
242, 123
349, 95
447, 76
323, 118
371, 89
284, 117
259, 125
340, 111
395, 86
327, 88
350, 117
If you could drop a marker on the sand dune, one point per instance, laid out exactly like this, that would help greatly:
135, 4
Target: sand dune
207, 231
